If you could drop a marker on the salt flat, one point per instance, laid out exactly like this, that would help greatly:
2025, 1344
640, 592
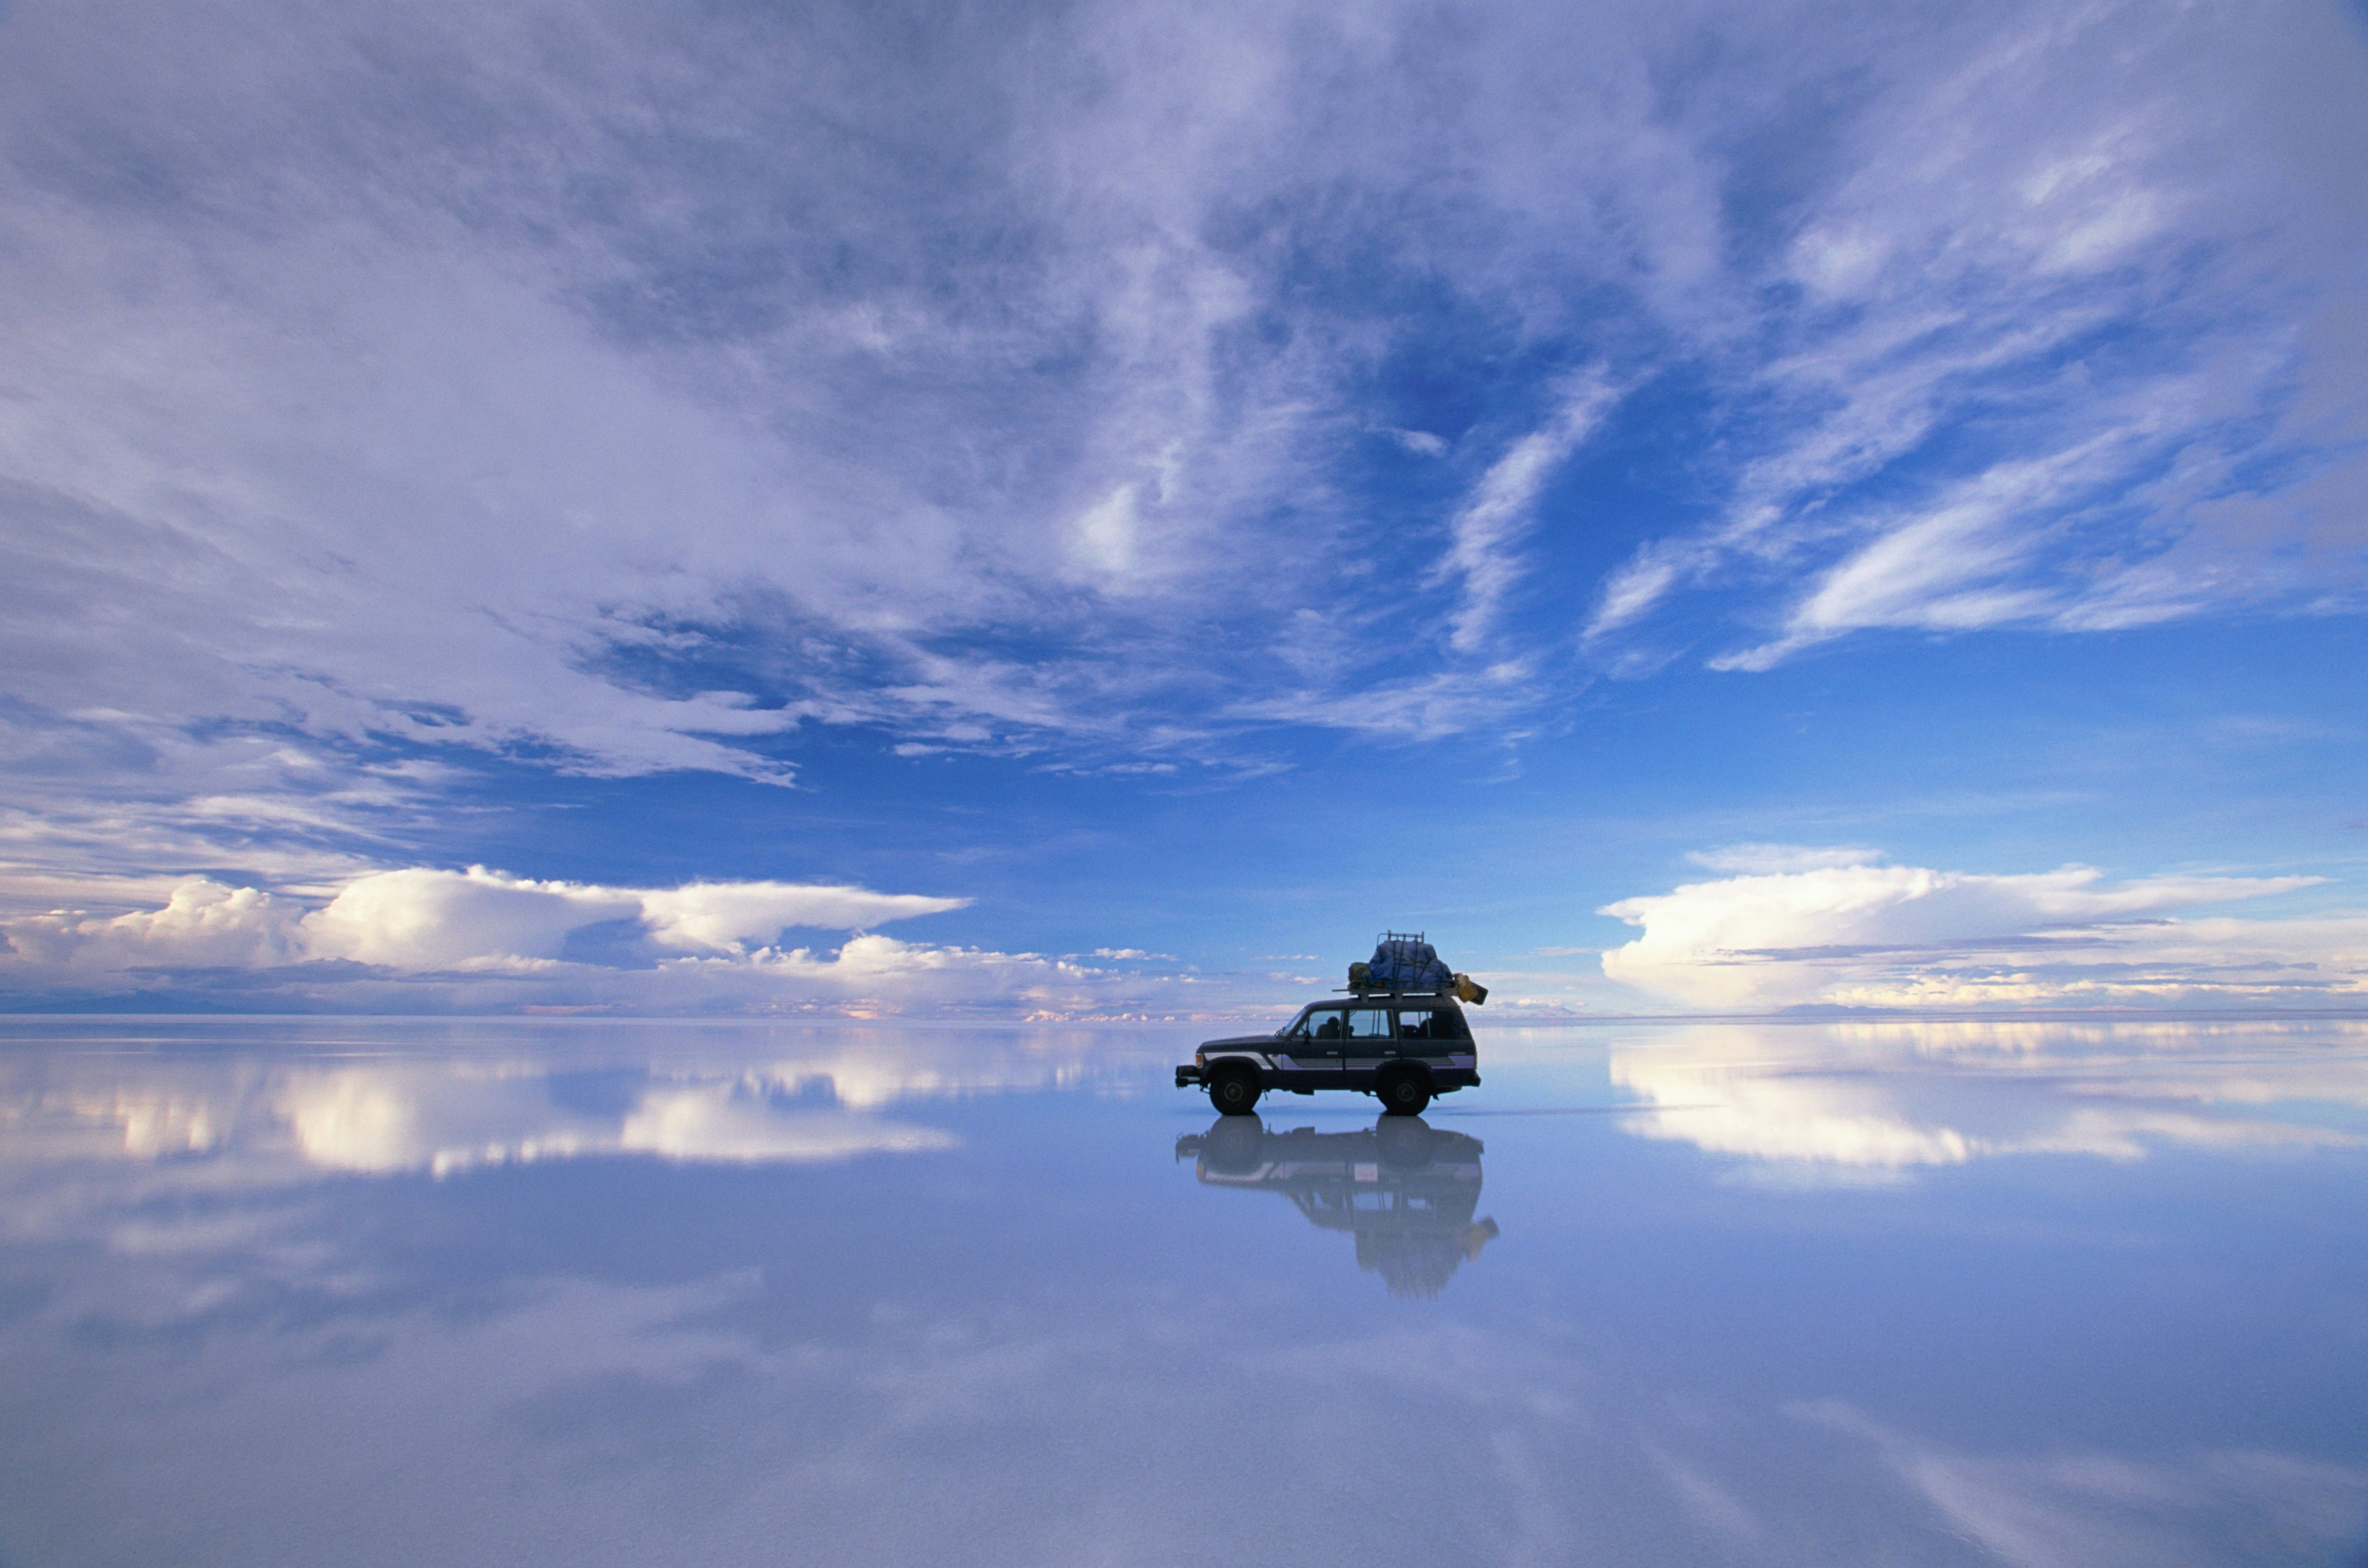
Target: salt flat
592, 1293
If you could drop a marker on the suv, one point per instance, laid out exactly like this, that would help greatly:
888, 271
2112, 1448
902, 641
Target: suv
1402, 1047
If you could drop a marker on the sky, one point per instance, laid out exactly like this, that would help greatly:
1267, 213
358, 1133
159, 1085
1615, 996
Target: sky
1088, 511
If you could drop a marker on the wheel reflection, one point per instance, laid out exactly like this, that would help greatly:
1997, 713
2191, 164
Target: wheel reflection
1405, 1190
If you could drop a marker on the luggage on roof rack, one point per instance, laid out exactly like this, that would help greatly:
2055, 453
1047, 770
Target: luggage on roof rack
1402, 961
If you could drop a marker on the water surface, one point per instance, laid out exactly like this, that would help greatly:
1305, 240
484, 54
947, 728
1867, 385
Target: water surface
377, 1293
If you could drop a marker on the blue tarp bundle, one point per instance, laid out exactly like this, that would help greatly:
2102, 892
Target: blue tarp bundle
1403, 964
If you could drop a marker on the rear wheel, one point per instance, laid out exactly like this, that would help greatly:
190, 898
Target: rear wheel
1402, 1093
1233, 1090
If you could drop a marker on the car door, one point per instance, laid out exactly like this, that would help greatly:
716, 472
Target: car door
1369, 1041
1435, 1035
1309, 1054
1414, 1033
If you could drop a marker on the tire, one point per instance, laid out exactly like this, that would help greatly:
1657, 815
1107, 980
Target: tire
1235, 1090
1402, 1093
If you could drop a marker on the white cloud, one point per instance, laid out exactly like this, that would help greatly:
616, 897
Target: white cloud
1949, 569
1963, 441
1488, 527
734, 916
1868, 935
202, 923
422, 918
478, 939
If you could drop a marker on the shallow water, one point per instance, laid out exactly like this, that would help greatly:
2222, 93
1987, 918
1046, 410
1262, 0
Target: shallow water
653, 1293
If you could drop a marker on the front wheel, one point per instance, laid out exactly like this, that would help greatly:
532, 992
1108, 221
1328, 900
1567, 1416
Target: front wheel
1403, 1094
1233, 1090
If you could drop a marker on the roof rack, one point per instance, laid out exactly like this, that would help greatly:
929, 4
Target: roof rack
1445, 988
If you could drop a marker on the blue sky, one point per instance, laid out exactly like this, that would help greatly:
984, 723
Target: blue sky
1086, 511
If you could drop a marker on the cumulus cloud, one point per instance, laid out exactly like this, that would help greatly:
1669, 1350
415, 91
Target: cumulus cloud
479, 940
424, 918
1850, 932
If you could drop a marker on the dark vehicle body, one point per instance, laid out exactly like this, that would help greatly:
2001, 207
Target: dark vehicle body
1404, 1049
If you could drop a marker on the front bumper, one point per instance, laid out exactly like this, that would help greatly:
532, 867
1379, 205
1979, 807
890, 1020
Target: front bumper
1188, 1075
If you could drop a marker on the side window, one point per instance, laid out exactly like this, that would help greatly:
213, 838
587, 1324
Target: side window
1415, 1025
1368, 1023
1327, 1024
1298, 1030
1448, 1023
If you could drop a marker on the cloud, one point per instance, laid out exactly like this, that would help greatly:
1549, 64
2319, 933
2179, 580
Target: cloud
1854, 933
2020, 365
1952, 568
422, 918
423, 938
587, 389
1487, 528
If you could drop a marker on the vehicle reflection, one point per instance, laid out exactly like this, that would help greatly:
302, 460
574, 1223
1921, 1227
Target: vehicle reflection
1405, 1190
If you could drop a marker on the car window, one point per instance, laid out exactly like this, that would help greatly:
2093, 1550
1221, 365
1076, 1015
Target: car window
1442, 1023
1368, 1023
1298, 1027
1327, 1024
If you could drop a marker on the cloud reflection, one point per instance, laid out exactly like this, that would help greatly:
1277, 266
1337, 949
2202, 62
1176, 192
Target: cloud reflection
388, 1119
514, 1099
1893, 1096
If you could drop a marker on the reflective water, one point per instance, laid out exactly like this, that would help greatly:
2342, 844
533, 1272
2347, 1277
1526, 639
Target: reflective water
608, 1293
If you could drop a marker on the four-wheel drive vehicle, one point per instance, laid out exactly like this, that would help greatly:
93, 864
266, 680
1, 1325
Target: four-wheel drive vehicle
1404, 1049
